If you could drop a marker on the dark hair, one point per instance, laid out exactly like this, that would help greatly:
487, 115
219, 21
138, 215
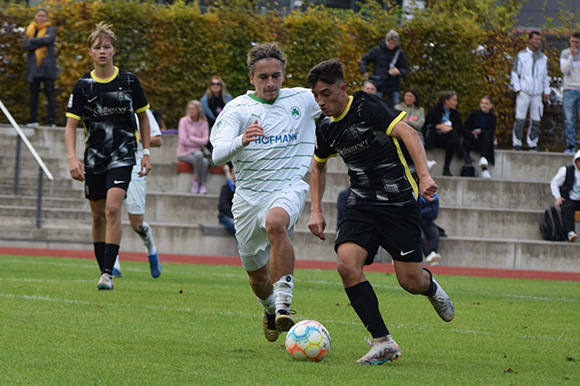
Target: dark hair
443, 96
532, 33
576, 35
413, 91
265, 51
329, 71
488, 98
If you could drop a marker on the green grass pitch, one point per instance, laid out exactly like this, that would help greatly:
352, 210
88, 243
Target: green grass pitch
201, 325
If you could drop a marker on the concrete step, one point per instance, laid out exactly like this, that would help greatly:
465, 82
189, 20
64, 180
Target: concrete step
491, 193
509, 164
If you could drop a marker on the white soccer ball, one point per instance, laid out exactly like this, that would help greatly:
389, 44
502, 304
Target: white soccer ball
308, 340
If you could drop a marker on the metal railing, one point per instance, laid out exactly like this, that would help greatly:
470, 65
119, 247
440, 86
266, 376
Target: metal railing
42, 166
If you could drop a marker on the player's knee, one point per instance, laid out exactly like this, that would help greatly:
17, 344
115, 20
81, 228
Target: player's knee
412, 284
113, 212
276, 227
141, 230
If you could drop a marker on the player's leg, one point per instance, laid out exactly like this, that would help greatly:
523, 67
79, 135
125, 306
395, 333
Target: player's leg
262, 286
403, 242
254, 252
281, 218
96, 193
357, 241
282, 260
135, 205
99, 228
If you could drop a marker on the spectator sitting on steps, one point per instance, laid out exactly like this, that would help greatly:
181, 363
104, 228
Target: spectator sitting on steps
565, 188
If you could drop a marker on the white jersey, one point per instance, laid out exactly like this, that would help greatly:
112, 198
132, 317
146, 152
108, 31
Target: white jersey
279, 159
154, 131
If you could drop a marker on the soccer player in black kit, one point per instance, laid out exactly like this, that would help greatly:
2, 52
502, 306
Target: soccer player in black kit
106, 99
388, 170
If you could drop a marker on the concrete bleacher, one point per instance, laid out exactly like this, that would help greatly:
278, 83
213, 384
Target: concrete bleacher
491, 223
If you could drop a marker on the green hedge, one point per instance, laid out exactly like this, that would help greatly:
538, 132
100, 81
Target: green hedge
175, 49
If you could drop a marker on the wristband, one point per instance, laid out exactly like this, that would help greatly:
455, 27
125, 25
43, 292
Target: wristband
146, 152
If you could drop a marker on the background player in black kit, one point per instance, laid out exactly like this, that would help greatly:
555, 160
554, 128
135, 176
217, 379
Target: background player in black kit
388, 170
106, 99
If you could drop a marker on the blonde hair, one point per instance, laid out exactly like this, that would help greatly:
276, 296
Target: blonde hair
223, 90
102, 32
199, 108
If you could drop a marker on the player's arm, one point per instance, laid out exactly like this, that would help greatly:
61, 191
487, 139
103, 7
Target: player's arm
226, 138
155, 139
317, 223
410, 138
144, 132
75, 166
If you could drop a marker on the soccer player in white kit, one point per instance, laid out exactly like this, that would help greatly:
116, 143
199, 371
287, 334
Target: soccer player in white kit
135, 203
268, 134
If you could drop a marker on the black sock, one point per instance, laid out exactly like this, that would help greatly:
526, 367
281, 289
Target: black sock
111, 252
99, 249
433, 287
365, 303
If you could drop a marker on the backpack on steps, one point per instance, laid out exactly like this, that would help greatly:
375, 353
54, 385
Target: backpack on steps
552, 226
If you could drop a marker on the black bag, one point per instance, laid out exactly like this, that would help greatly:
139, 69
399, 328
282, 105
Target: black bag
429, 133
552, 226
468, 170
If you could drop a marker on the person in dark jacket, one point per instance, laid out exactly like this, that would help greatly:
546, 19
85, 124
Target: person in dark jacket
225, 216
41, 65
389, 66
478, 132
443, 128
430, 235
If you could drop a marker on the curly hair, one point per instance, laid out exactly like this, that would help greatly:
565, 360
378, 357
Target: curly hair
265, 51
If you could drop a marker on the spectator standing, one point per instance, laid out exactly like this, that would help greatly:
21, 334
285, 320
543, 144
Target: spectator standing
478, 133
430, 236
443, 129
389, 66
570, 66
41, 65
193, 134
529, 79
565, 187
415, 113
110, 143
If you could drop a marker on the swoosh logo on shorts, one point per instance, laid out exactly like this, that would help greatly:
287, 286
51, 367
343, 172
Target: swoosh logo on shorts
117, 182
406, 253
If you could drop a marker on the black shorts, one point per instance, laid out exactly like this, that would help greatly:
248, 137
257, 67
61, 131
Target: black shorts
395, 228
97, 185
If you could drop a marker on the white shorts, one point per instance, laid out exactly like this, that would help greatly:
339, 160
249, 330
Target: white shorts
136, 193
250, 223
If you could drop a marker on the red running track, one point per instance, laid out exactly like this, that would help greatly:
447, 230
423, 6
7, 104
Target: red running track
306, 264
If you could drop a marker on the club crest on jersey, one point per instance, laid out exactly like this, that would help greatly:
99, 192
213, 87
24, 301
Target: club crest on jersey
295, 112
121, 95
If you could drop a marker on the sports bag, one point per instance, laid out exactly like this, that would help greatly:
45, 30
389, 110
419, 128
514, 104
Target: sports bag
551, 226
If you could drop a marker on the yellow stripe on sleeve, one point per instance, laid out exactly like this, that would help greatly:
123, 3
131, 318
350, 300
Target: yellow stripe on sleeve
73, 116
398, 119
412, 181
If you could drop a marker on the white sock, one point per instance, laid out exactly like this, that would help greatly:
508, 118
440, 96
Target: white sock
144, 231
117, 265
268, 304
283, 292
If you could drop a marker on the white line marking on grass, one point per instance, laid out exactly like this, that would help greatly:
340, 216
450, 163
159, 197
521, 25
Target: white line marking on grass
34, 297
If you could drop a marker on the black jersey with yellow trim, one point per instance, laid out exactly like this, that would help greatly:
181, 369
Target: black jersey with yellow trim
380, 168
107, 108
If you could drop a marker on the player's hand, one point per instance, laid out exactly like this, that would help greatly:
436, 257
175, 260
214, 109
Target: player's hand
317, 224
252, 133
76, 169
559, 201
573, 51
145, 166
428, 188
